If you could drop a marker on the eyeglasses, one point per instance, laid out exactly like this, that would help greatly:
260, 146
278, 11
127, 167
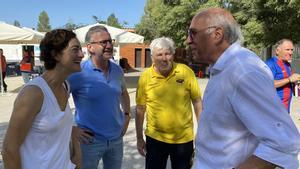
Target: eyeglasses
193, 32
103, 42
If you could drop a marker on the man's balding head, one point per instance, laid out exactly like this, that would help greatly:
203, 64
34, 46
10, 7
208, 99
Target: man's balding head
211, 32
223, 18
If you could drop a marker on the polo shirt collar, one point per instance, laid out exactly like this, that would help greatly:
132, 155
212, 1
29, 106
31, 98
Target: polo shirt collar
90, 64
156, 74
93, 67
281, 61
276, 59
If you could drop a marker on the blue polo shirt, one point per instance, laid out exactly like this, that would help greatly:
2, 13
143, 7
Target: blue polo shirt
97, 99
282, 70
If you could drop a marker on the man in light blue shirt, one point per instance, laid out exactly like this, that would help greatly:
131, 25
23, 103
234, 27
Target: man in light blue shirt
243, 124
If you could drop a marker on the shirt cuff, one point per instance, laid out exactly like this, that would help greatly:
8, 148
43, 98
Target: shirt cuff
282, 159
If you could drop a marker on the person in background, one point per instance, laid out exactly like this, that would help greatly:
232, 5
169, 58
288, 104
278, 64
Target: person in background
3, 70
243, 124
39, 130
26, 66
166, 92
98, 91
284, 78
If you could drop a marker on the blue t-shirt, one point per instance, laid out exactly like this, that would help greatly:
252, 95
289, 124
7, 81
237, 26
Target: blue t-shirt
97, 99
281, 70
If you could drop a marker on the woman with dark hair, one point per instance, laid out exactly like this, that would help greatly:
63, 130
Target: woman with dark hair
39, 130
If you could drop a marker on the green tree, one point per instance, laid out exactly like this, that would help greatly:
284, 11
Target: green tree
147, 26
43, 24
170, 18
17, 23
124, 24
70, 25
264, 22
113, 21
98, 20
171, 2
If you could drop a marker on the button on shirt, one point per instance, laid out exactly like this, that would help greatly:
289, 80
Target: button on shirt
243, 116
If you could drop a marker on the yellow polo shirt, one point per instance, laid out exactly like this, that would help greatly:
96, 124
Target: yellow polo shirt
168, 103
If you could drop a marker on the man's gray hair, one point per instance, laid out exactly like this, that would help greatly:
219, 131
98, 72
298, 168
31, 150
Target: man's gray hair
94, 29
162, 43
232, 30
280, 42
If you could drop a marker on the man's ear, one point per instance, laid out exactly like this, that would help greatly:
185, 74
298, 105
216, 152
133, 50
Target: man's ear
89, 47
277, 50
218, 35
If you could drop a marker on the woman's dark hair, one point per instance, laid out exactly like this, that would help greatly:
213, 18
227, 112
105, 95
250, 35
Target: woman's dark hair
52, 44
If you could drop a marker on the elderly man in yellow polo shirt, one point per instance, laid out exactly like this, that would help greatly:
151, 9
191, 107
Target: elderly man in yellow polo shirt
166, 92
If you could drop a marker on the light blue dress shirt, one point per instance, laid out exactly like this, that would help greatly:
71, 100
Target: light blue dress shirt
243, 116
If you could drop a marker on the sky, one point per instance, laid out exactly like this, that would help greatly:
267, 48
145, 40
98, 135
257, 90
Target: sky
61, 12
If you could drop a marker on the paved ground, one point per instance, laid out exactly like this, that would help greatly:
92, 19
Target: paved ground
132, 160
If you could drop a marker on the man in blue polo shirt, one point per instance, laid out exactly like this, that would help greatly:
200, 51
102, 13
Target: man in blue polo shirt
98, 91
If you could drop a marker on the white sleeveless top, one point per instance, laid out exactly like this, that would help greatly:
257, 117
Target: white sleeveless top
46, 146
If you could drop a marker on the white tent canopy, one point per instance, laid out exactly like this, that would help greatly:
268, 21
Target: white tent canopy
120, 35
37, 33
10, 34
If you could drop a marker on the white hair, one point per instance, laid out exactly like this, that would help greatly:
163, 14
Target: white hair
163, 43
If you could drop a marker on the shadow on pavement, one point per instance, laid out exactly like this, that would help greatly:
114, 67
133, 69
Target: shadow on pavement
131, 81
16, 90
132, 159
132, 70
3, 128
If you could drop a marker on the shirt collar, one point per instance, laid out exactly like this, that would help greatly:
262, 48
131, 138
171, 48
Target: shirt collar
225, 57
156, 74
281, 61
90, 63
93, 67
